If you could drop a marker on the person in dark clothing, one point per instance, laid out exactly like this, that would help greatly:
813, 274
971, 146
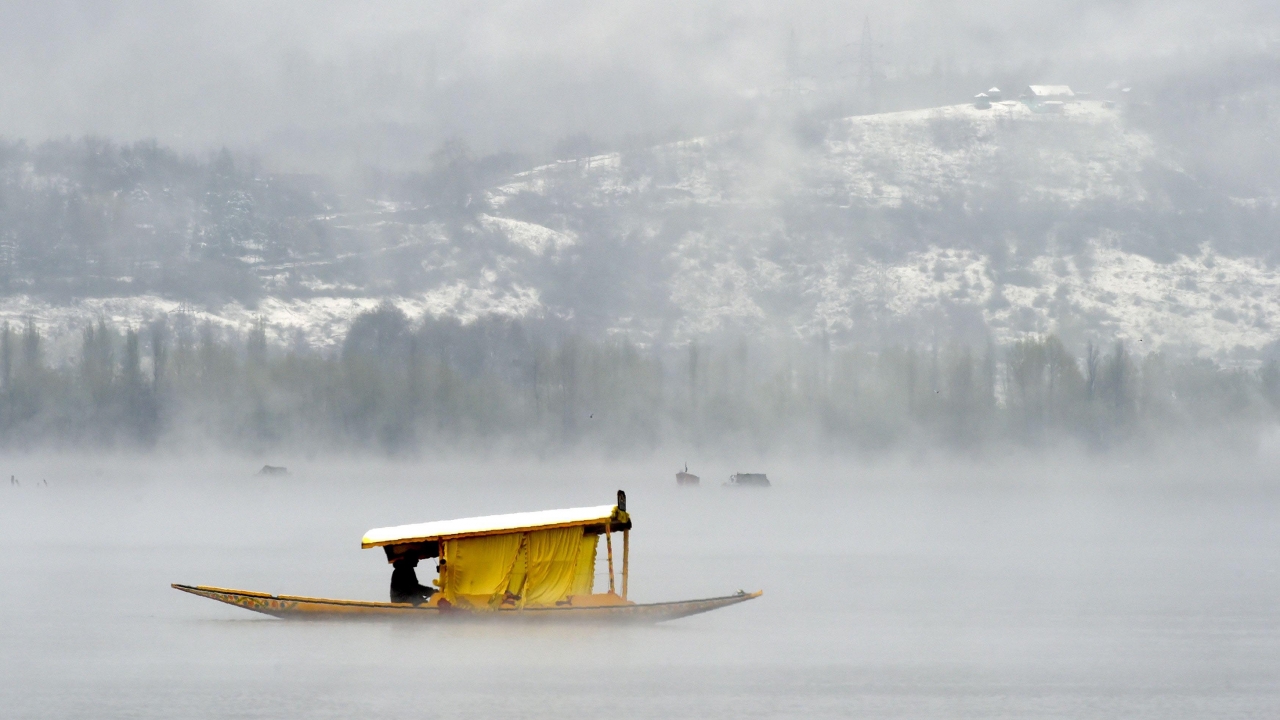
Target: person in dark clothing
404, 583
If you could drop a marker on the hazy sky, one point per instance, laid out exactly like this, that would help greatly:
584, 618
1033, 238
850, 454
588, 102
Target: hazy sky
377, 81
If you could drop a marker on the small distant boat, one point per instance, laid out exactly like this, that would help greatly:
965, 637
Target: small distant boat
753, 480
687, 478
532, 565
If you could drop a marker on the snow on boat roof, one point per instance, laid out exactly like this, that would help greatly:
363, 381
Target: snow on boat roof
493, 525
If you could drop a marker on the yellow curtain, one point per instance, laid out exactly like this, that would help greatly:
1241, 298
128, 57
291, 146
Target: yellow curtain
477, 570
584, 578
552, 565
519, 569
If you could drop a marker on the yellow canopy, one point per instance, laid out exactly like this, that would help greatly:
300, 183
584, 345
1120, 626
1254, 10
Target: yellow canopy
531, 559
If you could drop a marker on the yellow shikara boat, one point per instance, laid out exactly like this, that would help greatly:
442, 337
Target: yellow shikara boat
532, 565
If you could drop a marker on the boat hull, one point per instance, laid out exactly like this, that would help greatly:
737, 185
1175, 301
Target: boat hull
299, 607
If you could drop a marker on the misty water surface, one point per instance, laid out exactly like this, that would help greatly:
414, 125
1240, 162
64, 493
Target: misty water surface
895, 591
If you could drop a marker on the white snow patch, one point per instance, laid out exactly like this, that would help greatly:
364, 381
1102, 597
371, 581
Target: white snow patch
322, 321
537, 239
714, 292
1207, 301
890, 158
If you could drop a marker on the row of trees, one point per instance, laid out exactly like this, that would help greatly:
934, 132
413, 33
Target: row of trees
405, 387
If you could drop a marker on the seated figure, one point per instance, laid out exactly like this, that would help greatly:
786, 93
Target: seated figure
404, 583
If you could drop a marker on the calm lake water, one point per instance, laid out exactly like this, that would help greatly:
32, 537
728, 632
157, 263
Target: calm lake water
908, 591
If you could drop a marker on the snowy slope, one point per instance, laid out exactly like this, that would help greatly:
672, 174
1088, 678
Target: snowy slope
734, 275
922, 155
765, 233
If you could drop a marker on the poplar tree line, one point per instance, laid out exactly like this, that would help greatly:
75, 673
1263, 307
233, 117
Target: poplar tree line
403, 387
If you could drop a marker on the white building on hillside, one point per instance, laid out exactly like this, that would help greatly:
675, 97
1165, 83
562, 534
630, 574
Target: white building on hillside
1045, 93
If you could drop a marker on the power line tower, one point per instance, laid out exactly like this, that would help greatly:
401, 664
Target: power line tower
868, 78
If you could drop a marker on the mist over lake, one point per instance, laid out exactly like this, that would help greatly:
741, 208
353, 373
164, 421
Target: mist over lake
895, 590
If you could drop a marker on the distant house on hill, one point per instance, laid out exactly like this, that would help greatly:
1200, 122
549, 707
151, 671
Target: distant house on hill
994, 94
1046, 93
1048, 98
981, 101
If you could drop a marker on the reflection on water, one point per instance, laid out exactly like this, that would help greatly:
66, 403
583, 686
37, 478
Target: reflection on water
922, 592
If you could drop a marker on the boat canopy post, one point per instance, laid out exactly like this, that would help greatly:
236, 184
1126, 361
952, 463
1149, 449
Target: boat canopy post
626, 556
622, 505
608, 541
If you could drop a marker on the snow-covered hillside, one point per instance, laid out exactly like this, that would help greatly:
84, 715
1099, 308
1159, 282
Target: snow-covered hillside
944, 222
921, 156
884, 159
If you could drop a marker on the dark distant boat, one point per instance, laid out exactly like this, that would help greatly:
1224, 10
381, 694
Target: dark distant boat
753, 480
531, 565
685, 477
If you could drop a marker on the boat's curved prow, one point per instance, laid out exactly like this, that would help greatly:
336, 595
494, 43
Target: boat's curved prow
247, 599
294, 606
